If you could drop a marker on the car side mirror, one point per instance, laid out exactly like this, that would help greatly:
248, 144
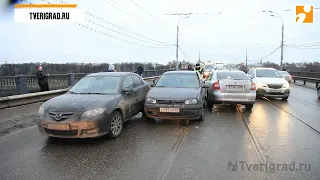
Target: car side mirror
205, 86
250, 76
128, 89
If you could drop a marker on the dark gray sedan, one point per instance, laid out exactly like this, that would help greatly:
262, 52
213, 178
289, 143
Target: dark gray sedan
98, 104
176, 95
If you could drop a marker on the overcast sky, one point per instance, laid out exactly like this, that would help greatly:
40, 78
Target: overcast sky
221, 30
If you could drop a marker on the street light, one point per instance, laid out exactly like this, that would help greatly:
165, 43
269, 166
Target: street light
274, 14
177, 48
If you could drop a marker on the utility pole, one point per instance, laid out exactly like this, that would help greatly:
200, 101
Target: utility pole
177, 48
282, 36
246, 59
199, 56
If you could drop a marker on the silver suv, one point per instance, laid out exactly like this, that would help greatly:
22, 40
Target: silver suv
269, 83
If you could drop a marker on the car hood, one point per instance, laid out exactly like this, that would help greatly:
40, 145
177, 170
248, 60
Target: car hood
78, 102
271, 80
167, 93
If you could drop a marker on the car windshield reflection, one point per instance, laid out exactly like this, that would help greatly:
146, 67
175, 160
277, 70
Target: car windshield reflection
178, 81
96, 85
266, 73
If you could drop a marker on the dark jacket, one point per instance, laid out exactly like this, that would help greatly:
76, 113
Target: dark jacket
42, 78
140, 70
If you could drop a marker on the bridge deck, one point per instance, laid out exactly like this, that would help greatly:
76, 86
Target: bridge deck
276, 131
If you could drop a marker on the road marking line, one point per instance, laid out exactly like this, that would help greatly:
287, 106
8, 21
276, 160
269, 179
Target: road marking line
169, 160
17, 132
305, 103
256, 144
313, 129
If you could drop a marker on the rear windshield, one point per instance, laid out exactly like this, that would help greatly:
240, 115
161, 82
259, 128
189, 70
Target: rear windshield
284, 73
178, 81
268, 73
232, 75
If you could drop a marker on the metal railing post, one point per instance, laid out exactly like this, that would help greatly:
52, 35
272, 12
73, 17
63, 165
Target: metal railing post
21, 85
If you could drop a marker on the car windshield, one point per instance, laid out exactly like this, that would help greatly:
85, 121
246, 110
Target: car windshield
285, 73
268, 73
96, 85
209, 67
236, 75
178, 81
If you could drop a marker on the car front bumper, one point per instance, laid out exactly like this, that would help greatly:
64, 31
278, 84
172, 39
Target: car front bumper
75, 129
276, 93
187, 112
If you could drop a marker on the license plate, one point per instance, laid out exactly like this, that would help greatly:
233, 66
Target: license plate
275, 90
170, 110
235, 88
62, 127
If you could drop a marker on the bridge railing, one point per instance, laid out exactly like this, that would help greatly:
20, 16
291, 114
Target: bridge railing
24, 84
305, 74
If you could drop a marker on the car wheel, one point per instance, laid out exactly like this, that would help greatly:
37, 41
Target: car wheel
285, 98
201, 117
249, 106
116, 125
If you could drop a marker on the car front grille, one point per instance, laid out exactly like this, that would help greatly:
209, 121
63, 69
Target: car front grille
169, 102
60, 116
61, 133
275, 86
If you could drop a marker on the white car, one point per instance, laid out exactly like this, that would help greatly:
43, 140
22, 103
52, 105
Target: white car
269, 83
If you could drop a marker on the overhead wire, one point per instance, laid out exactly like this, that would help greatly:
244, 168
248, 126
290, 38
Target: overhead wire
145, 23
137, 5
184, 54
97, 31
117, 26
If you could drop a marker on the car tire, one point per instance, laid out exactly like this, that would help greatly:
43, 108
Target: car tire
248, 106
201, 117
146, 118
285, 98
116, 125
209, 104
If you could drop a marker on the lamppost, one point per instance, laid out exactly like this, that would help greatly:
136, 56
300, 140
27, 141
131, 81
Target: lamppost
177, 45
200, 53
274, 14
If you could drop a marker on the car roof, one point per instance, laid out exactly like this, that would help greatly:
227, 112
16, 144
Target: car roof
114, 74
231, 70
264, 68
180, 72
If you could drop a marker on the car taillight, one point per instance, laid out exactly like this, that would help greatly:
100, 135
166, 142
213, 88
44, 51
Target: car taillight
216, 86
291, 77
253, 86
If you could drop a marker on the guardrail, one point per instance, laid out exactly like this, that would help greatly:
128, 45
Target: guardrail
305, 74
306, 79
18, 100
23, 84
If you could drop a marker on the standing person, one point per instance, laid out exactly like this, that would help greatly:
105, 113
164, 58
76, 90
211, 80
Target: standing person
111, 68
199, 69
42, 79
190, 68
140, 70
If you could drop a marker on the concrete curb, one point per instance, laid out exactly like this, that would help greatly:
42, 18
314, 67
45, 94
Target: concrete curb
18, 100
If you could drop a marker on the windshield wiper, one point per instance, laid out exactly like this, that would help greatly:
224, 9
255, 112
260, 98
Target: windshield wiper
95, 93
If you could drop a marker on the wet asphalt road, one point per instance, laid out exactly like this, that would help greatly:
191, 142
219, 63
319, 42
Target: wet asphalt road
275, 131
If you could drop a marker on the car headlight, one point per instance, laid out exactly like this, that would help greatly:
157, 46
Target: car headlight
261, 85
191, 101
93, 112
151, 101
41, 111
286, 85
